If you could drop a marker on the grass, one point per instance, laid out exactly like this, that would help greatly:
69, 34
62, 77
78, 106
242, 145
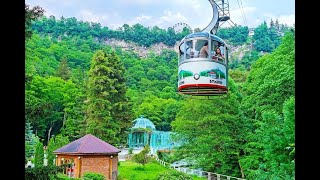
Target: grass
129, 170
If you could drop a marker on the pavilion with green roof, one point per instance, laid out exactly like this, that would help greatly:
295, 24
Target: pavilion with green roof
143, 132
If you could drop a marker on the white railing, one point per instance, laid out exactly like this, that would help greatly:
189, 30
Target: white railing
209, 175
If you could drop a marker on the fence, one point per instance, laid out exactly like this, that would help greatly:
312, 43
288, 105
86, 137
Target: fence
200, 173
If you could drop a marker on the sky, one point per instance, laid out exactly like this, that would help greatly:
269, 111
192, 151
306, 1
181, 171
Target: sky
167, 13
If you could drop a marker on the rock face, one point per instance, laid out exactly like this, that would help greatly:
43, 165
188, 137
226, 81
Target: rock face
140, 50
236, 51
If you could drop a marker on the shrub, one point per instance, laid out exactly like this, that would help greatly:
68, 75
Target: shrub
166, 156
93, 176
61, 176
143, 156
130, 151
39, 155
159, 154
43, 173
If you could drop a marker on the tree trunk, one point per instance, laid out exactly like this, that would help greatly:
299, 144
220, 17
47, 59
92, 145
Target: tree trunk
242, 174
49, 133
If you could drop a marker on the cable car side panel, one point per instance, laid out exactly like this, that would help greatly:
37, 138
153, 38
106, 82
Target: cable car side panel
202, 74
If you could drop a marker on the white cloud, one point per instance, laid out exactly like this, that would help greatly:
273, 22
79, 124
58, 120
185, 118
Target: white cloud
287, 19
139, 2
67, 2
142, 19
89, 16
49, 12
243, 16
169, 18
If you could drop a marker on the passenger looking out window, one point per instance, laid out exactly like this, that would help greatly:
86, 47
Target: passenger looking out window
218, 56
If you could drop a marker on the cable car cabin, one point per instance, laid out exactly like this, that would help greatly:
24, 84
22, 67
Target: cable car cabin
203, 71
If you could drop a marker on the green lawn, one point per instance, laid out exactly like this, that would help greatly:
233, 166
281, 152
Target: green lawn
129, 170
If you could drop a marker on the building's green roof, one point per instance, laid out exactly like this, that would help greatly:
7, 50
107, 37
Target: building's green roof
144, 123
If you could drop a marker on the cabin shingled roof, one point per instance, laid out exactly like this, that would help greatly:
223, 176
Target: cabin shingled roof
88, 144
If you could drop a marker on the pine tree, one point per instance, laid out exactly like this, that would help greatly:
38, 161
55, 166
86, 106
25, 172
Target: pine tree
271, 24
121, 106
277, 26
39, 155
30, 141
108, 110
63, 70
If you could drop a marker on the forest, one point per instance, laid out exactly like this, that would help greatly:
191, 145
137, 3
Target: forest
76, 84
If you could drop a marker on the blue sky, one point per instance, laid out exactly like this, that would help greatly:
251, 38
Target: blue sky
166, 13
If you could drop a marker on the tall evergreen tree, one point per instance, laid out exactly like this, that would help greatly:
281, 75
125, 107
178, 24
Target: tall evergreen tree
64, 70
121, 106
272, 25
108, 110
39, 155
31, 141
277, 26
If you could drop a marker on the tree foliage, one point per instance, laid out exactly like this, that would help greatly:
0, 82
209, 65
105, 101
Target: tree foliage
63, 70
30, 16
39, 155
136, 33
31, 141
266, 38
108, 110
47, 99
143, 156
237, 35
269, 106
55, 143
217, 126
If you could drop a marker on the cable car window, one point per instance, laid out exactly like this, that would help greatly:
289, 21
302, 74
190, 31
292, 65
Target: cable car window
189, 49
181, 52
202, 47
218, 51
214, 45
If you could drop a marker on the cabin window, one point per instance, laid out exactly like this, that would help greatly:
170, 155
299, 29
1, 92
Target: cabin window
181, 52
193, 48
218, 51
189, 49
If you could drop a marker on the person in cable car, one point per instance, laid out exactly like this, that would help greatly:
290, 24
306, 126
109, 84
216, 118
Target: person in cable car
204, 52
218, 56
190, 50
